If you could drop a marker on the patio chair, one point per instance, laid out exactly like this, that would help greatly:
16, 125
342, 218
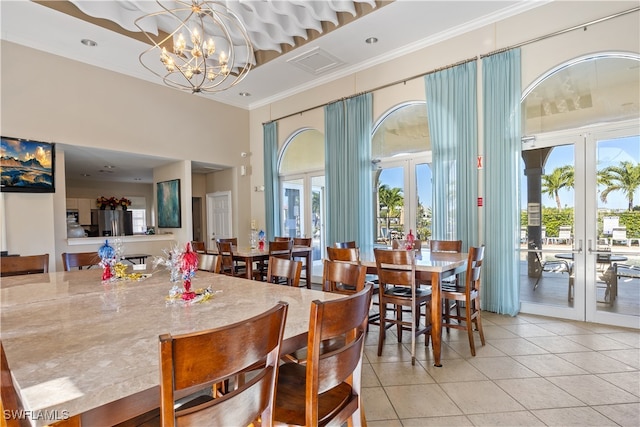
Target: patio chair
552, 266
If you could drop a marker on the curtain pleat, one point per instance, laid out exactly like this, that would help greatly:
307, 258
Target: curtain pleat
452, 112
502, 132
271, 180
348, 127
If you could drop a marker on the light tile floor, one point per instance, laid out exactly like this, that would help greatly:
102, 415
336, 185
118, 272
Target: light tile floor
533, 371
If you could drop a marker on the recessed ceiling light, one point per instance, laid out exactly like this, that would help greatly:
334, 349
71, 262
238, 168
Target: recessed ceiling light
88, 42
371, 40
244, 94
85, 174
109, 167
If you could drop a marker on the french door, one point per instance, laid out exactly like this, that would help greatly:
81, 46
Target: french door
403, 198
573, 199
303, 212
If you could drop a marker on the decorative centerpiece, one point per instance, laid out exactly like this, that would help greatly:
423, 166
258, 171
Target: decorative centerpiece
261, 239
171, 261
410, 240
188, 267
107, 256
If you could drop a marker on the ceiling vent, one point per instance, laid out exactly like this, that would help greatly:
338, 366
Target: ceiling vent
316, 61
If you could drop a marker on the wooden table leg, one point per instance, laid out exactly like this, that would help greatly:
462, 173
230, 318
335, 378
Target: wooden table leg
436, 318
309, 269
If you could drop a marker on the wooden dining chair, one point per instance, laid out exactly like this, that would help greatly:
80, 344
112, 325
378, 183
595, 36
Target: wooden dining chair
79, 260
209, 262
281, 239
302, 242
284, 271
228, 265
196, 361
398, 288
19, 265
277, 248
232, 240
469, 293
343, 277
198, 246
352, 254
326, 389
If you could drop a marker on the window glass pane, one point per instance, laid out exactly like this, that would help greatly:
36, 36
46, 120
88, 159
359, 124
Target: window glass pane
590, 91
139, 221
304, 152
424, 202
390, 217
404, 130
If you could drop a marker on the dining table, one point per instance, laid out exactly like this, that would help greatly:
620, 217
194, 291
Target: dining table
250, 255
432, 267
84, 349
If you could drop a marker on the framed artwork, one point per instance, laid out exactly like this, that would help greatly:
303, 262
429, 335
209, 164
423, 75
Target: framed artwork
27, 166
168, 195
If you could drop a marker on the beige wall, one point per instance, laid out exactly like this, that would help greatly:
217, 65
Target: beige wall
48, 98
620, 34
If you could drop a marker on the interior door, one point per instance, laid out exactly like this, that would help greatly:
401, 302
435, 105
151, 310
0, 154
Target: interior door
219, 219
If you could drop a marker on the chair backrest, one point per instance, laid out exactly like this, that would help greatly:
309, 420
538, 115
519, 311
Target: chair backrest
281, 248
79, 260
346, 319
210, 262
564, 232
619, 233
281, 239
348, 244
232, 240
302, 241
19, 265
343, 254
282, 269
343, 277
194, 361
396, 267
198, 246
9, 398
225, 252
445, 246
474, 265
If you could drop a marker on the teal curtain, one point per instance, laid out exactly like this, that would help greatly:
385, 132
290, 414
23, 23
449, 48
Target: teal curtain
453, 128
502, 133
348, 127
271, 180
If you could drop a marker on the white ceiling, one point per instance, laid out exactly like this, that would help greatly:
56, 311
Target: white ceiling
401, 27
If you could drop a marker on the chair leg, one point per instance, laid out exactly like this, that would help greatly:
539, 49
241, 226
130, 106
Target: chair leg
383, 328
469, 325
398, 325
479, 321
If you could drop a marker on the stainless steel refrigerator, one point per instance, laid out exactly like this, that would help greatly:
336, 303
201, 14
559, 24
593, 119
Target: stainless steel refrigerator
113, 222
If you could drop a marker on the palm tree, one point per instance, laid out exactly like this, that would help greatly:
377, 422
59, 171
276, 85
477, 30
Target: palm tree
562, 177
625, 178
392, 198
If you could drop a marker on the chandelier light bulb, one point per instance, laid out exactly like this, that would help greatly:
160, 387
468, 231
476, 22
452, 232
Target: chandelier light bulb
180, 45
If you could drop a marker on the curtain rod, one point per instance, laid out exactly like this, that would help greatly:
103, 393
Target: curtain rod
495, 52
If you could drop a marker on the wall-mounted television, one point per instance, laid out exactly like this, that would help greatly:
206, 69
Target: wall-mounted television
27, 166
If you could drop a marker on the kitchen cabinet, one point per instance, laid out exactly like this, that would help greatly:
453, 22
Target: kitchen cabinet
83, 207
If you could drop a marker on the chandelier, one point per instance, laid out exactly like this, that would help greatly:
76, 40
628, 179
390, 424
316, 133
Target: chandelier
199, 46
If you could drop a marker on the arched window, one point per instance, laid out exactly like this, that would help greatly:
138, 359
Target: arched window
401, 150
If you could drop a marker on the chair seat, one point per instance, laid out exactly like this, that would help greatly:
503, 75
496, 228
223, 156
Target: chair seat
405, 291
290, 396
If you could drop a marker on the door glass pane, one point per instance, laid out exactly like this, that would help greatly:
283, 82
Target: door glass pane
422, 226
293, 208
617, 267
390, 205
317, 218
547, 232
